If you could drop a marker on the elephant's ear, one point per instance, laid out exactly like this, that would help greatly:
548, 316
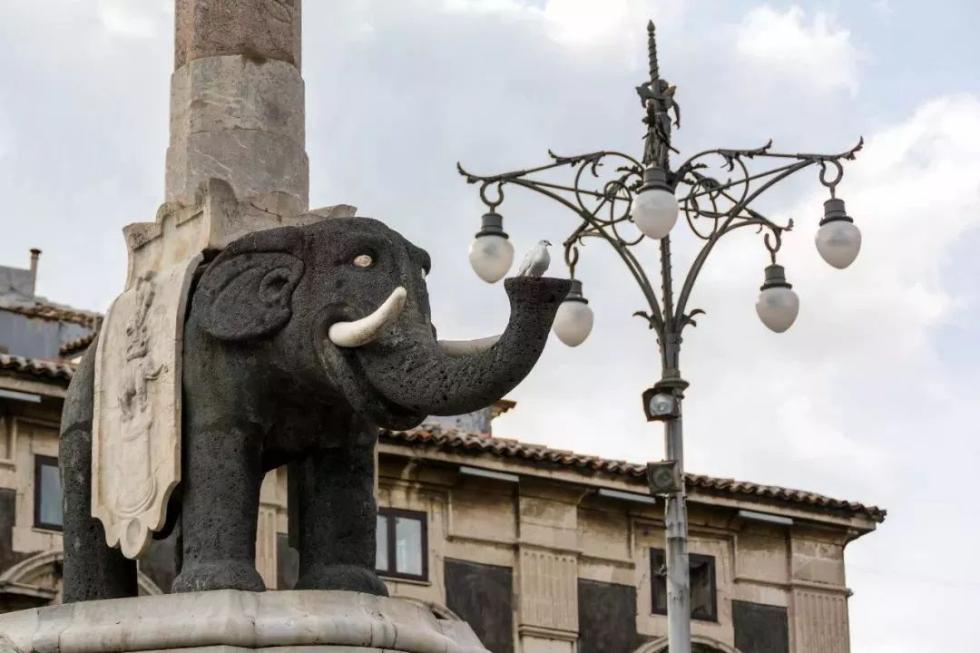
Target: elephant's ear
247, 295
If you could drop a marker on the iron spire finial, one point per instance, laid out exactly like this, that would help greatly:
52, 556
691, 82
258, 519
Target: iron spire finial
652, 49
657, 98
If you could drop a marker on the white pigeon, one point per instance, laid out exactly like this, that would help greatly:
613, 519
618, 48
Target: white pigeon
536, 261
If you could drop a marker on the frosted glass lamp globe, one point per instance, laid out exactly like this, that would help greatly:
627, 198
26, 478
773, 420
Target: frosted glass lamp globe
491, 253
778, 305
491, 257
838, 238
655, 208
573, 321
655, 212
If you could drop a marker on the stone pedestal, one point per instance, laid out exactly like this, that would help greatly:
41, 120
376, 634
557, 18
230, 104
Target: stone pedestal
227, 620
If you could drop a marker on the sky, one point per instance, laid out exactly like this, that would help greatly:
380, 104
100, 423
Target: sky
870, 396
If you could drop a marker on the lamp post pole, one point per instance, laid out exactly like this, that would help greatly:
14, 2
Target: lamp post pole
612, 192
675, 518
658, 98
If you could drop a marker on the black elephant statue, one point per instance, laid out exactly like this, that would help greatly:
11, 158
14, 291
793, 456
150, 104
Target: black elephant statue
299, 342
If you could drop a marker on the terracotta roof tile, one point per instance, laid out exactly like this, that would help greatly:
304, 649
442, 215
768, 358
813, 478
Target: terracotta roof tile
434, 437
536, 453
38, 367
46, 311
77, 345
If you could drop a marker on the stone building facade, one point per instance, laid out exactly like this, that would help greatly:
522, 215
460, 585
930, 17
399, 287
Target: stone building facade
540, 550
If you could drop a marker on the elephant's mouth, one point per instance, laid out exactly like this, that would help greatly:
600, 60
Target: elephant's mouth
393, 371
344, 366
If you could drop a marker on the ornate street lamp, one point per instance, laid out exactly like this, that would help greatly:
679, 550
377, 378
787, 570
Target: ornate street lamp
491, 253
611, 190
573, 321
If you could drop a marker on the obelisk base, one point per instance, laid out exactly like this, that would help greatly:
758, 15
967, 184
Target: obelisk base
227, 620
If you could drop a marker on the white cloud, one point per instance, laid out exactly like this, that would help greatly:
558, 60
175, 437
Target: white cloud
582, 22
855, 400
817, 53
583, 25
914, 193
135, 19
512, 7
4, 134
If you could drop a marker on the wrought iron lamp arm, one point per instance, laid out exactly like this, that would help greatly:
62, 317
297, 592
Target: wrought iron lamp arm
701, 258
732, 218
665, 314
731, 155
557, 162
597, 229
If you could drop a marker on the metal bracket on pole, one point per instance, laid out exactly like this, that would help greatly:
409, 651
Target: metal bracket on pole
661, 403
664, 477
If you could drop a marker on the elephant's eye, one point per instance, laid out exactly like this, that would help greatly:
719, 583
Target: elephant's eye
363, 261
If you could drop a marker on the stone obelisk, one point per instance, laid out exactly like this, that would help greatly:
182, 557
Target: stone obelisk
237, 101
236, 164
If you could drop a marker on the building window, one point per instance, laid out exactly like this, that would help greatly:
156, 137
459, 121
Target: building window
402, 542
765, 628
47, 493
482, 596
607, 618
704, 604
6, 440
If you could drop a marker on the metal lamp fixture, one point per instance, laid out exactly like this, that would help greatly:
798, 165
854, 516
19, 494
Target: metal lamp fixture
662, 402
623, 200
664, 478
778, 305
655, 208
491, 253
573, 321
838, 239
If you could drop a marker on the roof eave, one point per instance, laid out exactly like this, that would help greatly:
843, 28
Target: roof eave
538, 461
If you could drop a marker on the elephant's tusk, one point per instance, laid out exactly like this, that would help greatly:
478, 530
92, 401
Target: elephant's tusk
367, 329
467, 347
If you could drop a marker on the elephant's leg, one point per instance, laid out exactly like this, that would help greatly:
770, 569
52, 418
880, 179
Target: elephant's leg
337, 516
222, 477
92, 570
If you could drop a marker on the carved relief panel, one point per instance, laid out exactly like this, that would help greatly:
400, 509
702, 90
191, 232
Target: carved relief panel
548, 590
136, 434
820, 622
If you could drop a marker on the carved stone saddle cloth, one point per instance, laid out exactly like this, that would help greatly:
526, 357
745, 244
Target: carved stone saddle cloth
137, 412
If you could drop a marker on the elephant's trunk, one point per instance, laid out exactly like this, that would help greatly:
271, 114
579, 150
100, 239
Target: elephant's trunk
410, 369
